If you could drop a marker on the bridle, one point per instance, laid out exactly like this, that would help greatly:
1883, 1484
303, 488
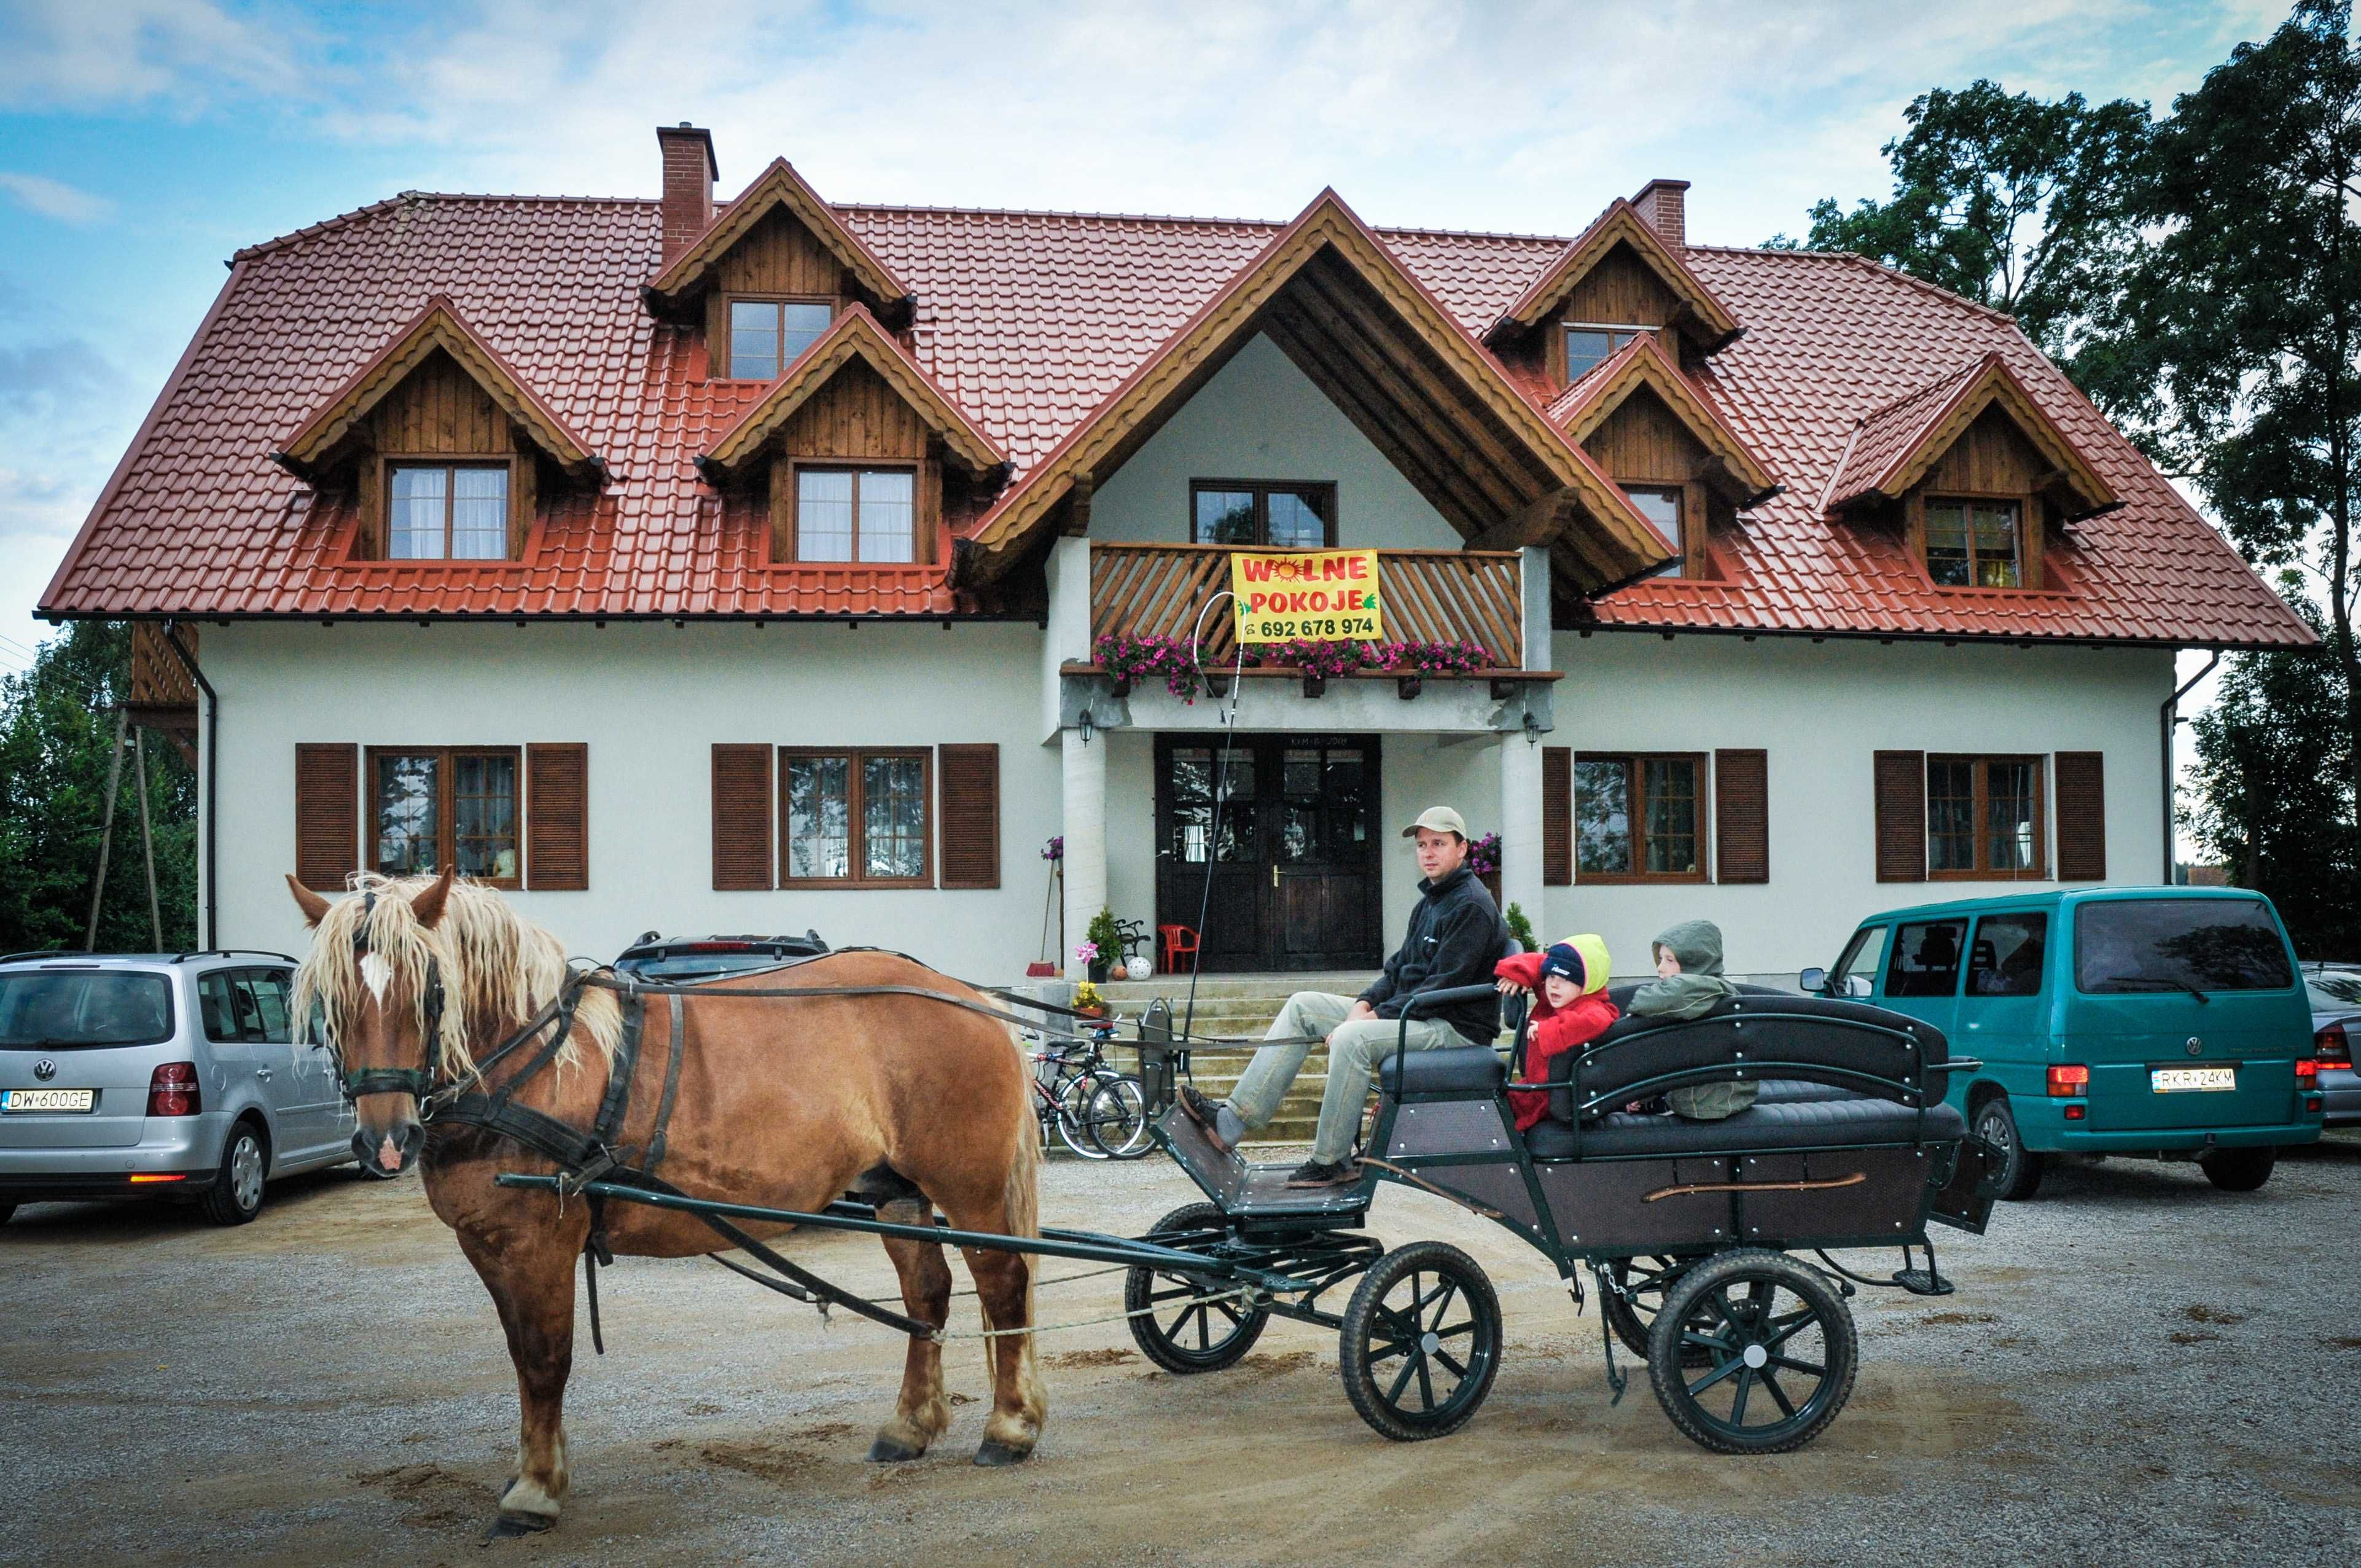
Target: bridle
418, 1082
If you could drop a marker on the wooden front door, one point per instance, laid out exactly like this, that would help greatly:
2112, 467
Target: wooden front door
1294, 879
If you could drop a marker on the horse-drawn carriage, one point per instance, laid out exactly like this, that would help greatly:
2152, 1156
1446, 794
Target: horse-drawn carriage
1686, 1226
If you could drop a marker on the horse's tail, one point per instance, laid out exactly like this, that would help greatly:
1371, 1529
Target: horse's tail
1021, 1201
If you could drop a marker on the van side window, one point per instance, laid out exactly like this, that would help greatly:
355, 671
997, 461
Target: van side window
1858, 967
1925, 958
2005, 957
216, 999
267, 991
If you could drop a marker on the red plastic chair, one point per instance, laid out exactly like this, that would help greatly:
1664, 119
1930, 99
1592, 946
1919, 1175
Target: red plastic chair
1179, 942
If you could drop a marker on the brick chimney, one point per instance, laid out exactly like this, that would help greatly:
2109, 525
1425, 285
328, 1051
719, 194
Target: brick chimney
1663, 206
689, 171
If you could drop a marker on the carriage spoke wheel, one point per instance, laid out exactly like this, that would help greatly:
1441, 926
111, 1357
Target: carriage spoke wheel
1645, 1281
1421, 1342
1777, 1351
1181, 1331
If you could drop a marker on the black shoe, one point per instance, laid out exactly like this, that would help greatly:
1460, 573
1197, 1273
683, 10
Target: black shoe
1206, 1113
1311, 1173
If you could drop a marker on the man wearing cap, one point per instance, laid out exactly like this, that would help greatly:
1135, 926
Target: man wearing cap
1456, 936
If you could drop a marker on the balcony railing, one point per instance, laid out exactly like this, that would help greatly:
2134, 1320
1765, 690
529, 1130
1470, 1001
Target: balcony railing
158, 679
1428, 596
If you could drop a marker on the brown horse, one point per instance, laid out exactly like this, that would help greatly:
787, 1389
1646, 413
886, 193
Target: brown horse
781, 1102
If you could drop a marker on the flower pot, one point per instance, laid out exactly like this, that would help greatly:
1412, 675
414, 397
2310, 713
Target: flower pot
1100, 968
1122, 686
1314, 684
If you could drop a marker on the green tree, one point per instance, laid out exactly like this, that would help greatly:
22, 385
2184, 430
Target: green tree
57, 735
2016, 202
2232, 351
2264, 807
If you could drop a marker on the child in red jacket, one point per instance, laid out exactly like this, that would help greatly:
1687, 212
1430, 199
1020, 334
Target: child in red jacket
1570, 1011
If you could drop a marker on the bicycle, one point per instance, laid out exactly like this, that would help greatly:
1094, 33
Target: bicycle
1096, 1111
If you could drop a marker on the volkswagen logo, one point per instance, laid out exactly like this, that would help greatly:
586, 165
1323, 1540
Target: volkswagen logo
2196, 1045
45, 1070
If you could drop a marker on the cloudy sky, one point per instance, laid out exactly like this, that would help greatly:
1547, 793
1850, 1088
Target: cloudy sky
141, 141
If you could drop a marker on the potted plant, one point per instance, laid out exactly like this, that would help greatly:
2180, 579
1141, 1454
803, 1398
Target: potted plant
1101, 945
1484, 859
1520, 928
1088, 1002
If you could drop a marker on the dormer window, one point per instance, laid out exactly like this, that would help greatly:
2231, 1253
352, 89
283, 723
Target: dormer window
855, 514
448, 512
1660, 505
1588, 345
1975, 542
767, 335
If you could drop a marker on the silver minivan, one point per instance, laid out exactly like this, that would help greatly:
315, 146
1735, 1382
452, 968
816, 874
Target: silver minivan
158, 1075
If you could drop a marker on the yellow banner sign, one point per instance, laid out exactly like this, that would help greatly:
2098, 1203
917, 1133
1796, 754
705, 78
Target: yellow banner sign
1320, 596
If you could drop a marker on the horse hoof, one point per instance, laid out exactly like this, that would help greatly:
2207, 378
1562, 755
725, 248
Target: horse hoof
508, 1526
994, 1453
886, 1450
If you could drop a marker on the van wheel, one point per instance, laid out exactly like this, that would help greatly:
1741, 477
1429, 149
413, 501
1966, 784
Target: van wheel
2239, 1170
2020, 1168
236, 1193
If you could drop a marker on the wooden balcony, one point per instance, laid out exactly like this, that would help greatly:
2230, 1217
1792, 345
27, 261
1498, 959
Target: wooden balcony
158, 679
1429, 596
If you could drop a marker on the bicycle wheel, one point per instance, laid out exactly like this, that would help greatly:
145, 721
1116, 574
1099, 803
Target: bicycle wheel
1118, 1117
1073, 1101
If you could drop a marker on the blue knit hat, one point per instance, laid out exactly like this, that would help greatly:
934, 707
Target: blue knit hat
1562, 961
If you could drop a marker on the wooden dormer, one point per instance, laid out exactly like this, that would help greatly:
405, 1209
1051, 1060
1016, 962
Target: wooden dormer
1661, 438
1623, 277
769, 277
856, 415
1975, 477
442, 445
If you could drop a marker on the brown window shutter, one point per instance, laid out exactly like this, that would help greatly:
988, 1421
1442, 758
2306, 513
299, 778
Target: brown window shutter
2081, 816
971, 815
557, 817
742, 818
1741, 821
1902, 817
327, 816
1558, 816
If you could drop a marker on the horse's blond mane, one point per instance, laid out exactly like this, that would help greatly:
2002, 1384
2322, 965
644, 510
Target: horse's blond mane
498, 968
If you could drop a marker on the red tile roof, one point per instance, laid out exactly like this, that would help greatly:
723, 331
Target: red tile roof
1026, 322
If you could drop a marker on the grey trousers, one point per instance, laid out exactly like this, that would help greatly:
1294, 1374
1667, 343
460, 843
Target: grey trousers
1354, 1051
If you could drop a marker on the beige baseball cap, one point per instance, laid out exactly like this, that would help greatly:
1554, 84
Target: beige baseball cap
1437, 819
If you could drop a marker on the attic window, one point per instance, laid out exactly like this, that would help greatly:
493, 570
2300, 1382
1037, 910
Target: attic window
1660, 505
1588, 345
768, 335
448, 512
1974, 543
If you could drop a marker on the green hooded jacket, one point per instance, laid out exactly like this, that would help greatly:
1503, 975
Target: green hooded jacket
1696, 991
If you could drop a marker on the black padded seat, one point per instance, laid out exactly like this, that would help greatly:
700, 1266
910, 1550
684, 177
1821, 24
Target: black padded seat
1453, 1069
1790, 1090
1805, 1124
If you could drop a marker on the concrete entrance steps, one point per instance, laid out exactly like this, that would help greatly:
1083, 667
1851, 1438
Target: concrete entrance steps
1245, 1006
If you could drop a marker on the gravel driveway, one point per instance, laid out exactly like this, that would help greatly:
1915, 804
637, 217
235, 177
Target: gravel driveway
2134, 1366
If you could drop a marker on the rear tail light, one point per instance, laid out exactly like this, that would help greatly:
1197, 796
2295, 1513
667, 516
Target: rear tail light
2068, 1081
2074, 1113
2331, 1047
149, 1180
2307, 1073
2313, 1101
172, 1091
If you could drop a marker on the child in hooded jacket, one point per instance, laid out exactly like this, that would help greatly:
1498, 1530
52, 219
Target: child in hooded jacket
1570, 1009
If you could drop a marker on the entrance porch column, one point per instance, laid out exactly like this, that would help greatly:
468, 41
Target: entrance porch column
1520, 830
1085, 831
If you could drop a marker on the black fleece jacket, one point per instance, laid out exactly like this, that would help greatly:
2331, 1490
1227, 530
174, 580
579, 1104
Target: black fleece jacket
1457, 934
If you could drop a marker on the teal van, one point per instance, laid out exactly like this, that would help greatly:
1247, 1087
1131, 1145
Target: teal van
2165, 1022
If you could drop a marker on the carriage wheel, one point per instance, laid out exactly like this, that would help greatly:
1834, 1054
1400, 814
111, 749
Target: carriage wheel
1645, 1281
1422, 1342
1183, 1332
1779, 1351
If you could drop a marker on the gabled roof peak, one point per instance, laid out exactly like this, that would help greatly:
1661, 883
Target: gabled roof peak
1621, 225
777, 186
1893, 446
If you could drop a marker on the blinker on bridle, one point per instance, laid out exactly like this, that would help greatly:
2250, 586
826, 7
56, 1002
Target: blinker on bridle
418, 1082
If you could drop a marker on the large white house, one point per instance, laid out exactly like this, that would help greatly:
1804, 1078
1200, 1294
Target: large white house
750, 568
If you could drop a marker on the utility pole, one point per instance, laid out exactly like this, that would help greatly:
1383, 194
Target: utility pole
106, 833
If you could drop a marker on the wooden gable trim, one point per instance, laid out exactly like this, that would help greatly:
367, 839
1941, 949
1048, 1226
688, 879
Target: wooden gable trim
855, 336
1620, 223
437, 327
1526, 441
1995, 385
1644, 363
777, 186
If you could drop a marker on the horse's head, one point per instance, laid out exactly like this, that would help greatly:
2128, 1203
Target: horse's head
381, 981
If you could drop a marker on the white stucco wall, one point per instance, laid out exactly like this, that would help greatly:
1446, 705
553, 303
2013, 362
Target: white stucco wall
651, 701
1820, 710
1260, 418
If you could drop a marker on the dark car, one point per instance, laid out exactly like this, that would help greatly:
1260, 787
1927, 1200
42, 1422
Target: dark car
691, 958
2336, 993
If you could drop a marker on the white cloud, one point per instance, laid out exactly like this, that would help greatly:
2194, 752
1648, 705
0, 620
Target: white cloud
56, 199
124, 53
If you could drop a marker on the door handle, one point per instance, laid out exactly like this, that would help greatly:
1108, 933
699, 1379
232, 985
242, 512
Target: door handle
1274, 876
263, 1072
